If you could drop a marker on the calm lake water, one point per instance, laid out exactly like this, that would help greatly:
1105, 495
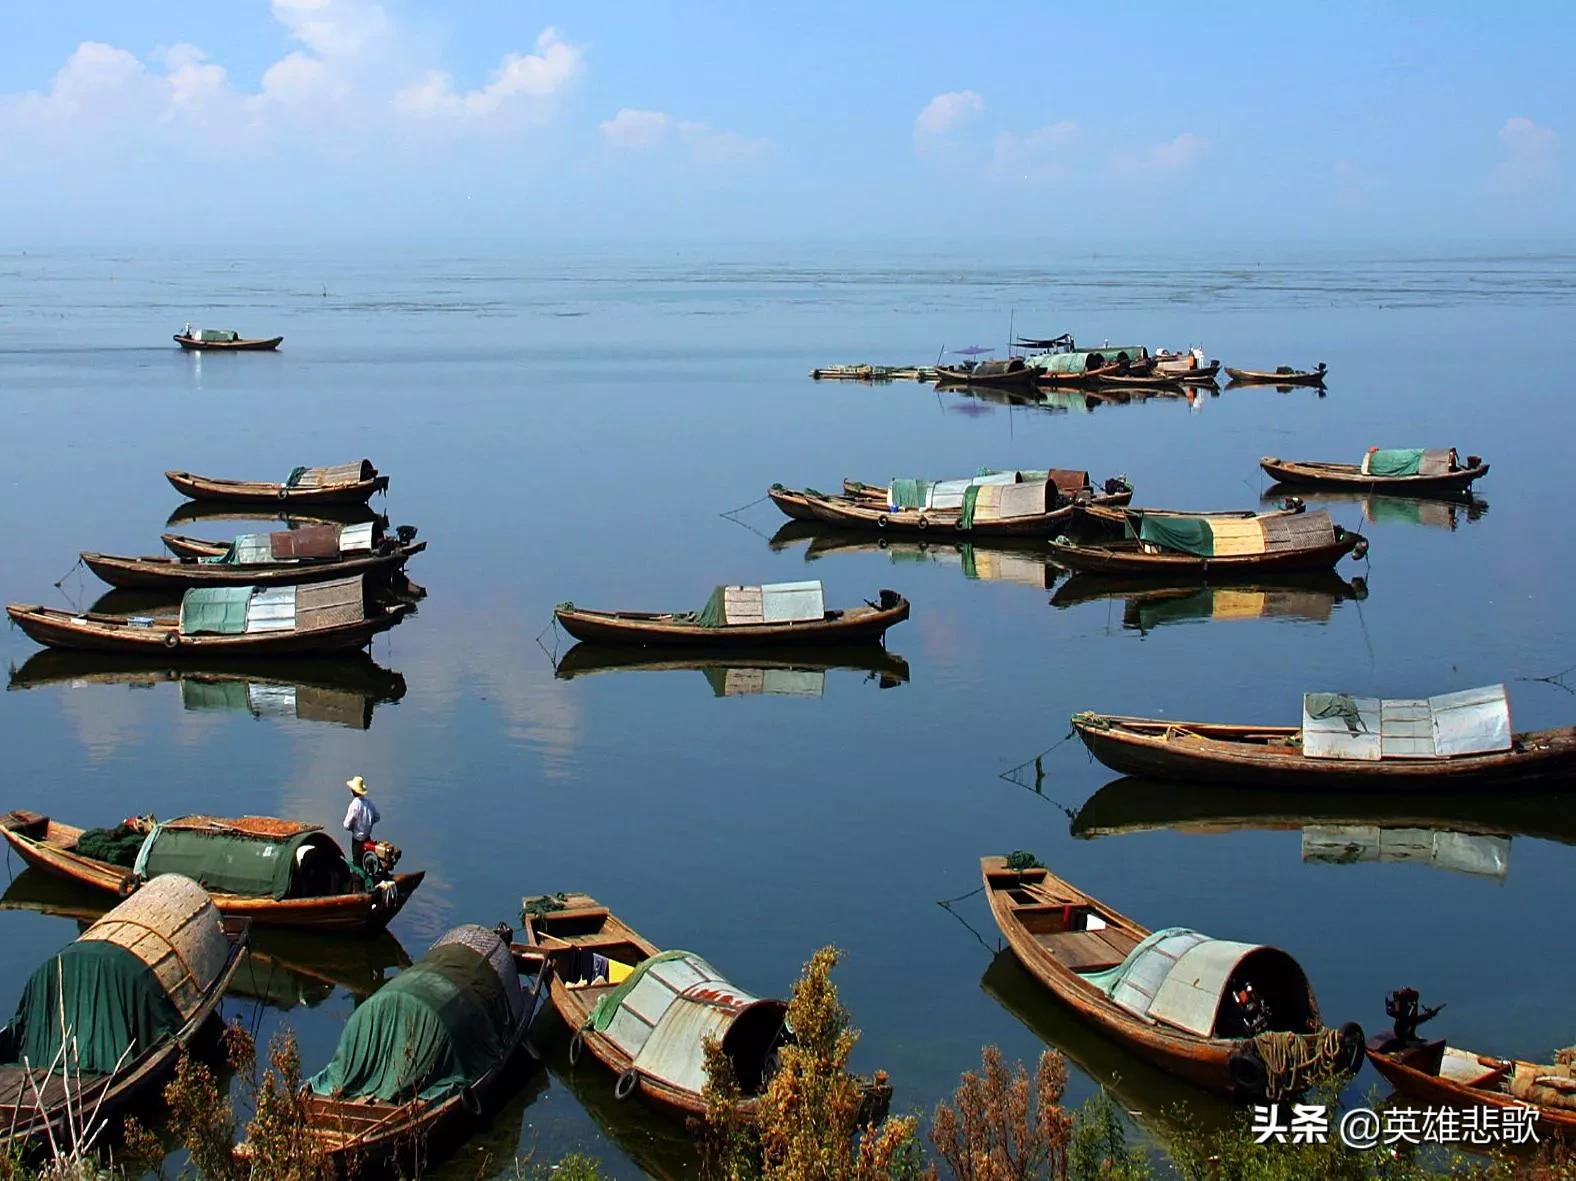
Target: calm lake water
573, 425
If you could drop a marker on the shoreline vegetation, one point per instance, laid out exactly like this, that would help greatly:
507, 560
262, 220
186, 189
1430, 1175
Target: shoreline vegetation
1002, 1124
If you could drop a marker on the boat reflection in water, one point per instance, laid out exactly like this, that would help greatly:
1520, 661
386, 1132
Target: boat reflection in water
1161, 1104
282, 969
1310, 597
1453, 831
340, 690
1077, 400
1025, 563
1378, 508
743, 671
194, 511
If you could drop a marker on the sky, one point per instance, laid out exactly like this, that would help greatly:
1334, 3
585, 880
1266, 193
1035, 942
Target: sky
323, 120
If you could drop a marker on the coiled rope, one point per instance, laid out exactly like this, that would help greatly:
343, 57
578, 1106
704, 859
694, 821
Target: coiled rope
1290, 1058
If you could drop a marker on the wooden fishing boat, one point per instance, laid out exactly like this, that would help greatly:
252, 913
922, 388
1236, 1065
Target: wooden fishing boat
645, 1014
1009, 374
1316, 474
1209, 546
238, 345
1234, 1018
318, 897
1190, 367
1432, 1072
327, 617
341, 690
1029, 508
183, 573
1132, 805
346, 483
739, 672
177, 957
739, 615
369, 1106
1140, 381
1365, 747
1285, 375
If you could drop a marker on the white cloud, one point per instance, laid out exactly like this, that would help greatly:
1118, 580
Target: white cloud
1530, 160
1167, 159
946, 113
635, 130
334, 28
518, 79
1043, 151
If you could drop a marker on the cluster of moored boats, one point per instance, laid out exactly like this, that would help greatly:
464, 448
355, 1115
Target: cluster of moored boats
1060, 362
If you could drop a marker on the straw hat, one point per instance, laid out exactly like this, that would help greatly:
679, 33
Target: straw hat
357, 785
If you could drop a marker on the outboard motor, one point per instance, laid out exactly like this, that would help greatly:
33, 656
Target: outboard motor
1251, 1012
405, 533
1402, 1007
379, 861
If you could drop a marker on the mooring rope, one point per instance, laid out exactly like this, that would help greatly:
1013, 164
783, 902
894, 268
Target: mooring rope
1290, 1057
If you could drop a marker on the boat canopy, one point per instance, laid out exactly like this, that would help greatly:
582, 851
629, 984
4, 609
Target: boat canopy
237, 610
948, 494
1082, 360
243, 857
1340, 726
1408, 461
666, 1009
774, 602
1226, 536
1185, 979
132, 979
438, 1026
342, 473
292, 545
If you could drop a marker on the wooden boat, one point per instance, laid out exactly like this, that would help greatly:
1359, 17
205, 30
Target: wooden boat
740, 672
1436, 1074
1034, 508
1315, 474
1140, 381
651, 1032
351, 1132
1236, 1019
346, 483
1011, 373
189, 953
1276, 757
342, 690
1241, 546
1190, 367
1285, 375
855, 625
254, 345
183, 573
51, 847
1132, 805
342, 622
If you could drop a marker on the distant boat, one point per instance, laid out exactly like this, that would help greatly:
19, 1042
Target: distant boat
1284, 375
1416, 472
345, 483
224, 340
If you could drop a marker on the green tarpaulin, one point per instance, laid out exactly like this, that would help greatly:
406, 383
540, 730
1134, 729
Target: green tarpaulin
118, 845
225, 863
1188, 535
111, 1001
219, 335
971, 496
1396, 461
714, 613
607, 1006
217, 609
909, 493
436, 1027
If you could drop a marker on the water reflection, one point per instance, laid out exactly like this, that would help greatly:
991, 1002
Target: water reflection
1452, 831
1025, 563
1161, 1104
1078, 400
1436, 512
193, 511
282, 969
341, 691
742, 672
1308, 597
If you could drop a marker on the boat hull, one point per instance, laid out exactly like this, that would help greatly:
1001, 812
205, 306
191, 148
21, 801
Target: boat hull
1259, 377
859, 513
1095, 559
1157, 749
258, 345
177, 574
91, 633
1350, 476
859, 626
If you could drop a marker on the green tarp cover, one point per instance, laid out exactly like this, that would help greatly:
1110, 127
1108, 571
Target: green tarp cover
218, 609
112, 1001
118, 845
223, 863
607, 1007
971, 496
909, 493
436, 1027
714, 613
1396, 461
1333, 705
295, 476
1107, 979
1188, 535
219, 335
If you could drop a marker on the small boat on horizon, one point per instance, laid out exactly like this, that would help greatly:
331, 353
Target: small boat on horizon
1283, 375
345, 483
1414, 471
223, 340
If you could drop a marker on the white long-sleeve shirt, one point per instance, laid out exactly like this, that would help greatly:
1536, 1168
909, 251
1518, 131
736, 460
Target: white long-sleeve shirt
360, 817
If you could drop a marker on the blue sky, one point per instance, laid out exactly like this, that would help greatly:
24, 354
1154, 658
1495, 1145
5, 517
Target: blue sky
324, 119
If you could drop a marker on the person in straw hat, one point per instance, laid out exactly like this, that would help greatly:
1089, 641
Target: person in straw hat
359, 819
